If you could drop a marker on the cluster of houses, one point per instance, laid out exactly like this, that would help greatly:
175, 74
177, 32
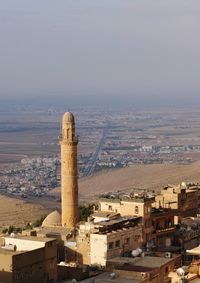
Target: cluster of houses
130, 238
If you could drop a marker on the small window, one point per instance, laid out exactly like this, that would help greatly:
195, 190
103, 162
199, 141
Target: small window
110, 246
49, 244
136, 209
110, 207
127, 241
117, 244
137, 238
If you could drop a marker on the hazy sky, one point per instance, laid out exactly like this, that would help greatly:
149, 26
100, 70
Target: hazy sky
143, 50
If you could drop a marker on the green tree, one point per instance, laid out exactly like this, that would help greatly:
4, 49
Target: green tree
85, 211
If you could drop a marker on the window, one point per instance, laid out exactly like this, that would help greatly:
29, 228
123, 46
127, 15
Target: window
127, 241
110, 207
117, 244
137, 238
136, 209
110, 246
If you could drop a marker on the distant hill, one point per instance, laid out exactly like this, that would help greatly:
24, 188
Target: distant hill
138, 176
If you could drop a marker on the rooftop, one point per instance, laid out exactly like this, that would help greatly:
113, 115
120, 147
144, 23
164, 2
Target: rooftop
105, 278
118, 223
31, 238
159, 212
142, 264
54, 230
195, 251
11, 252
126, 199
105, 214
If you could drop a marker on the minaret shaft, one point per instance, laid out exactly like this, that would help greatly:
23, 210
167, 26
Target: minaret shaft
69, 172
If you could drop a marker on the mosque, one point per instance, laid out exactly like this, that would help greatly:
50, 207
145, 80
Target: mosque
69, 178
86, 242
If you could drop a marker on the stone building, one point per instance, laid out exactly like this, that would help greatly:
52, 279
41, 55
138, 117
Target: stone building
183, 198
138, 206
154, 269
28, 260
105, 245
163, 228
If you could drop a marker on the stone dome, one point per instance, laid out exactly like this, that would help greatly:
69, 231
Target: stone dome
68, 117
53, 219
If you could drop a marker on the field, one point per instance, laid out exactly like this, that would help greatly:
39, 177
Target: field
147, 177
19, 213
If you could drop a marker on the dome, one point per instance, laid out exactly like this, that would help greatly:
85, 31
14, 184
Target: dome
68, 117
53, 219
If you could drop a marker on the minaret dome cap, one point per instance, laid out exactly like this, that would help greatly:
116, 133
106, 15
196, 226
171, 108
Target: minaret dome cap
68, 117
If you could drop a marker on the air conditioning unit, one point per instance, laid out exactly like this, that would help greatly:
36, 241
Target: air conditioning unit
168, 255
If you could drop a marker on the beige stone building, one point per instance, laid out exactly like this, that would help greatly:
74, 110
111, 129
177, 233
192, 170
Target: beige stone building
184, 198
190, 273
104, 246
154, 269
28, 260
163, 228
138, 206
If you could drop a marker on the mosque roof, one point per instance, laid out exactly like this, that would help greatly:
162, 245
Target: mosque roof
53, 219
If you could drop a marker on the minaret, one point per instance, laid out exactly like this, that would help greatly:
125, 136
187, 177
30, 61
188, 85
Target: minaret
69, 172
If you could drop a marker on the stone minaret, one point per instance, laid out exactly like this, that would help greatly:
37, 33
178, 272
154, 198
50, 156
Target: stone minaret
69, 173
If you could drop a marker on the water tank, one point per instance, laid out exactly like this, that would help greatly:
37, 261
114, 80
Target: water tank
136, 252
10, 247
182, 271
12, 235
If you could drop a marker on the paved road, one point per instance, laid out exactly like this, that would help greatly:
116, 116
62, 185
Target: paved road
92, 162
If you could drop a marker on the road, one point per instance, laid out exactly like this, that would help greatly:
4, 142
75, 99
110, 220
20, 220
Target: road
92, 161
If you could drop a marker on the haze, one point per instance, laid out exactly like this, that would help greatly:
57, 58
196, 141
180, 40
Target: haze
142, 51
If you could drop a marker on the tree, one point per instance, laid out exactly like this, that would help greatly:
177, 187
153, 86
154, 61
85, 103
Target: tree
85, 211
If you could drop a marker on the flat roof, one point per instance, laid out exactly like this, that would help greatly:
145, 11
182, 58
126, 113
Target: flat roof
54, 230
119, 220
197, 280
149, 262
105, 278
123, 199
195, 251
104, 214
11, 252
31, 238
160, 212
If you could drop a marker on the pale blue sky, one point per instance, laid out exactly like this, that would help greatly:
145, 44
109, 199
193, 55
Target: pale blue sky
141, 49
